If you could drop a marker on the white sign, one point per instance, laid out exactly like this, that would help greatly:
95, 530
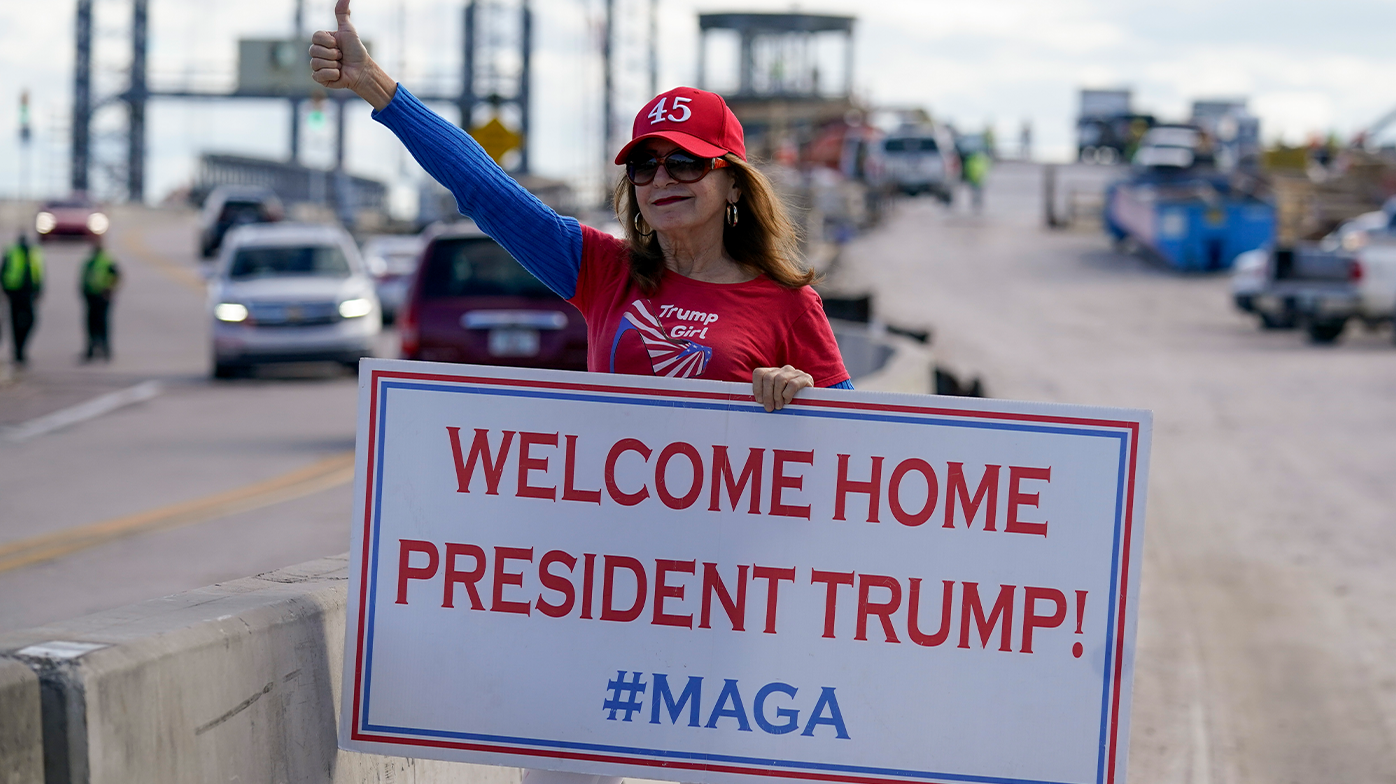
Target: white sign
656, 578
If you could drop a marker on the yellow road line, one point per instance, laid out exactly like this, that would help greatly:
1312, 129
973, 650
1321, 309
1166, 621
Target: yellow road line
323, 475
135, 243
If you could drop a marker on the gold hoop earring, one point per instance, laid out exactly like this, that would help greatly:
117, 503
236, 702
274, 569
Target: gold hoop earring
731, 213
639, 226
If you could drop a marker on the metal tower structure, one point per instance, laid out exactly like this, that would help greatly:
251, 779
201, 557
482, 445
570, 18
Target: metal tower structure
781, 95
777, 57
484, 80
630, 62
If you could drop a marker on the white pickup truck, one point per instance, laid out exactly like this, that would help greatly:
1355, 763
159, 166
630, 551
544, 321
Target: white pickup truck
1349, 275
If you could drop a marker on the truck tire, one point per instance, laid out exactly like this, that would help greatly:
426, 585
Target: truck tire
1325, 332
1277, 321
226, 370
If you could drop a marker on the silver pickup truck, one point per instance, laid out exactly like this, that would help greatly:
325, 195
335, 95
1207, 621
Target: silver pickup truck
921, 159
1349, 275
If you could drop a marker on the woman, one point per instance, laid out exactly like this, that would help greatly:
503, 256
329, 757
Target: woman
706, 285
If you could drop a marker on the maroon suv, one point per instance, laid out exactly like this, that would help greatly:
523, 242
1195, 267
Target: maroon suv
472, 302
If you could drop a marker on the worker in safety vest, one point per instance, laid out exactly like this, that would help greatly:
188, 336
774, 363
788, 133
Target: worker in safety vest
976, 170
100, 277
22, 278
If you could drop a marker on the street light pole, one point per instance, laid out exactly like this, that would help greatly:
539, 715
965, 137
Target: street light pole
608, 110
467, 86
525, 94
81, 153
25, 134
136, 96
299, 29
654, 47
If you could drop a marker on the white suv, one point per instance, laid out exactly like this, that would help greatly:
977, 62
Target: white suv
290, 292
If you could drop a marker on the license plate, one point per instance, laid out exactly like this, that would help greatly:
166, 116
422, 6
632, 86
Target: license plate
513, 342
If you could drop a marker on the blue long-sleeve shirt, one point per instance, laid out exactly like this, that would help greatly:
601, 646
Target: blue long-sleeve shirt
547, 244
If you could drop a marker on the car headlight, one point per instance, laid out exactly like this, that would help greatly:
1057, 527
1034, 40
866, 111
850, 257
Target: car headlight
230, 311
97, 223
44, 222
354, 308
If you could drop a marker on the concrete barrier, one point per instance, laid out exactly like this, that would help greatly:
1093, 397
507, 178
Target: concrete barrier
234, 682
880, 361
21, 744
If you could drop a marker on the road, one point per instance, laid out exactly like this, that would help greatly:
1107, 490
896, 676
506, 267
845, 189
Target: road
1267, 608
1268, 611
177, 472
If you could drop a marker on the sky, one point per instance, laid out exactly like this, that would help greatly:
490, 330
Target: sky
1305, 68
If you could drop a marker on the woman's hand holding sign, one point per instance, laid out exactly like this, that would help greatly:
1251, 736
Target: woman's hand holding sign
339, 60
774, 387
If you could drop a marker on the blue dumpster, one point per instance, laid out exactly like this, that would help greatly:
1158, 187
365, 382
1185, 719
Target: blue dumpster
1192, 222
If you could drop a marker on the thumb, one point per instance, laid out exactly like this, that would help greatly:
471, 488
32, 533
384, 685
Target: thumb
341, 15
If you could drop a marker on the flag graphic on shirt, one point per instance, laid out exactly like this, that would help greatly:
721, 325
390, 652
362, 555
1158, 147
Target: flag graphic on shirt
672, 357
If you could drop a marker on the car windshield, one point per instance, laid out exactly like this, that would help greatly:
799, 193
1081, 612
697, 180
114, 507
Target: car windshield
243, 212
476, 267
911, 144
289, 261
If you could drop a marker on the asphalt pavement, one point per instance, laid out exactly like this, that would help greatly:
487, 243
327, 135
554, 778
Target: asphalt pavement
169, 493
1268, 608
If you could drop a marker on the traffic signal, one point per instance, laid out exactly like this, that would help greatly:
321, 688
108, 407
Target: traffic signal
315, 120
24, 117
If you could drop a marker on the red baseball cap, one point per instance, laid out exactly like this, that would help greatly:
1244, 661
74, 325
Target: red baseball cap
696, 120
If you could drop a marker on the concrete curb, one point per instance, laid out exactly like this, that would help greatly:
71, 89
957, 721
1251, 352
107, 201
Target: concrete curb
234, 682
21, 743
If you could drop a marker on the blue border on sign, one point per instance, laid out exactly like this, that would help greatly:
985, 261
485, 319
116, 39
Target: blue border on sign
385, 386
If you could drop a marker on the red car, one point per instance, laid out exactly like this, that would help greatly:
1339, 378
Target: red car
472, 302
75, 217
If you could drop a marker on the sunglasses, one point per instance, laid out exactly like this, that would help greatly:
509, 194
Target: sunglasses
682, 167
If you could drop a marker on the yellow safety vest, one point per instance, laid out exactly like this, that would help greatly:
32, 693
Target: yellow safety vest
99, 275
20, 266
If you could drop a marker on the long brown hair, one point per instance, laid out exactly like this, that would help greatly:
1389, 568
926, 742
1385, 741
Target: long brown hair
765, 239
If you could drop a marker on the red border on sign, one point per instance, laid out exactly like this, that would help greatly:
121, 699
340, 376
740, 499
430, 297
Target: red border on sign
370, 468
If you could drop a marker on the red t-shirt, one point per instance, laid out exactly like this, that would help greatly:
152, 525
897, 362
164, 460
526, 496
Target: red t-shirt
692, 329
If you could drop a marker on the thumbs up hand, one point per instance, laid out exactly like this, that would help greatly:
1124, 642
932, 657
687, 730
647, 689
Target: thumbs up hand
339, 59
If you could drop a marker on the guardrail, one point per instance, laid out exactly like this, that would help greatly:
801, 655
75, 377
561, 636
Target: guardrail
240, 681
